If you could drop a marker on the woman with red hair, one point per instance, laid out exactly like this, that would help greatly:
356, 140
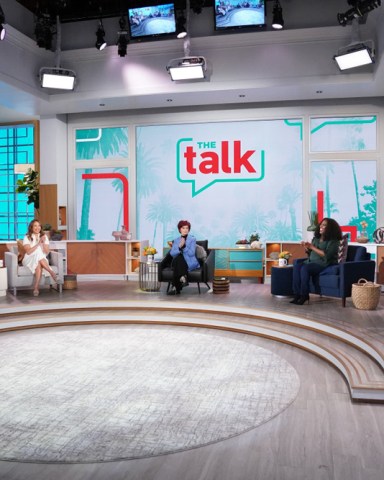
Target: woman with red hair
184, 259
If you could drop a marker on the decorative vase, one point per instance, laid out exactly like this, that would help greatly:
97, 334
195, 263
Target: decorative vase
363, 238
150, 258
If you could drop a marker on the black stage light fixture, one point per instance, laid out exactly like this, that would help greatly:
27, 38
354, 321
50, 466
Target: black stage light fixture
100, 40
358, 10
44, 31
181, 31
122, 43
277, 13
122, 38
2, 21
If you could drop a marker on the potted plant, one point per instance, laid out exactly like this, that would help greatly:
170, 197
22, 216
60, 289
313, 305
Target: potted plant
46, 228
56, 235
242, 243
150, 253
254, 240
30, 186
313, 220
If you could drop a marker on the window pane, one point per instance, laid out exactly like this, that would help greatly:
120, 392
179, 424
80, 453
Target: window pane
356, 200
343, 134
101, 143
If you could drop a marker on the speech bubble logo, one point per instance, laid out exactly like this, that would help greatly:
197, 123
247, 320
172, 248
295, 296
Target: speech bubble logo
202, 164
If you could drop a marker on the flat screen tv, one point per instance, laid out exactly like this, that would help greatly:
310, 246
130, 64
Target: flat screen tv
152, 21
232, 14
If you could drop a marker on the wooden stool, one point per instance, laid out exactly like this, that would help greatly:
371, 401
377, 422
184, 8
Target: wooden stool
220, 285
70, 282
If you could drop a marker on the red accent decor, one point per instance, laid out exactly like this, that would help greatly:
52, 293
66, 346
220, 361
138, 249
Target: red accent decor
124, 180
351, 230
320, 205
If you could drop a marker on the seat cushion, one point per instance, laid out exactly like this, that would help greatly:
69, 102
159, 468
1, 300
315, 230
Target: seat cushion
331, 270
201, 253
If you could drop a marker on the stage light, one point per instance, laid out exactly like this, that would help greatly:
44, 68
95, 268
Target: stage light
2, 21
122, 39
58, 78
44, 31
354, 56
358, 10
277, 20
100, 34
187, 68
181, 31
122, 43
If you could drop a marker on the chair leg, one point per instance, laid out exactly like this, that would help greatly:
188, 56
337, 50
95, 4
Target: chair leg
169, 284
198, 286
343, 301
209, 288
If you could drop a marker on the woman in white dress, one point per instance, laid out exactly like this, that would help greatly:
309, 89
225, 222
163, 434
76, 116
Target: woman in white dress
36, 248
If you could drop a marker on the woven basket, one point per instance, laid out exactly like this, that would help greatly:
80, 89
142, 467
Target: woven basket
365, 295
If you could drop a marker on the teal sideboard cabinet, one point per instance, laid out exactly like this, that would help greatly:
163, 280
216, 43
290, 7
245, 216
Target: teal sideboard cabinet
239, 262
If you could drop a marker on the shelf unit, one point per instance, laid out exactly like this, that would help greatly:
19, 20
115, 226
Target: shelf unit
50, 211
294, 248
62, 221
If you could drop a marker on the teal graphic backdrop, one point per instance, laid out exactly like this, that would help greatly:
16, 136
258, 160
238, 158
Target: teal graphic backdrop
348, 134
228, 179
101, 193
349, 191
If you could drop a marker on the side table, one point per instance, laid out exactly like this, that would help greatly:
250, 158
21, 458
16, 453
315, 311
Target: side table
3, 281
281, 281
148, 277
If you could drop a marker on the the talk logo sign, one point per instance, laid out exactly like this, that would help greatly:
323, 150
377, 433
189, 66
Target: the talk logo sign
204, 163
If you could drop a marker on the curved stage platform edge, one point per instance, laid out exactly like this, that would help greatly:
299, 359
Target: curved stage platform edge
359, 360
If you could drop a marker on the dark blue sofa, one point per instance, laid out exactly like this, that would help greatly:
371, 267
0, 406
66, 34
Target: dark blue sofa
337, 280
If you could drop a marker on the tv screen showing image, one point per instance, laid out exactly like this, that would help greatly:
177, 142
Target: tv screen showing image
231, 14
152, 21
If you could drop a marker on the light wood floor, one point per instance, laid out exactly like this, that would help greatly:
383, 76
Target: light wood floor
322, 435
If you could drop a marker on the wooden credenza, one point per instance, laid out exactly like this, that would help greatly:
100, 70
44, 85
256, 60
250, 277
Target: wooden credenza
102, 257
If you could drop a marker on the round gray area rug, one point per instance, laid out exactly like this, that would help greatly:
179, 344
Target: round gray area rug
103, 393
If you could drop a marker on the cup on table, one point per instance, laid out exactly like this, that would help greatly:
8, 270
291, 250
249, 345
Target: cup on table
283, 262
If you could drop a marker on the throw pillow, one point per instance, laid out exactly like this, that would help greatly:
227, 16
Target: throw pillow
20, 250
201, 254
343, 249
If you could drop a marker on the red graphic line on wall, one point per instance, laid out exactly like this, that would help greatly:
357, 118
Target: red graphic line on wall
320, 205
320, 215
124, 180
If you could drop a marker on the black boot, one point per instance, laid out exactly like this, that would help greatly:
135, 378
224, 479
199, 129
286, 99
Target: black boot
295, 299
302, 300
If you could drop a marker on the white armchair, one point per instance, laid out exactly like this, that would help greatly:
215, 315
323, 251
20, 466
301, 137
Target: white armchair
20, 277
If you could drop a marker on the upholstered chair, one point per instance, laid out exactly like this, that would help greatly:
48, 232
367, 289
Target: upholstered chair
204, 274
337, 280
20, 277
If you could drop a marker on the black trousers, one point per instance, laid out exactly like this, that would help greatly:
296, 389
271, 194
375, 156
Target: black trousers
180, 268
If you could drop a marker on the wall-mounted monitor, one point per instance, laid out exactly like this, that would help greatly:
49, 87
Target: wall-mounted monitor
233, 14
152, 21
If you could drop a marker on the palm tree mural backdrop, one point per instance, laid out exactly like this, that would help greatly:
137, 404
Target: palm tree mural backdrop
96, 144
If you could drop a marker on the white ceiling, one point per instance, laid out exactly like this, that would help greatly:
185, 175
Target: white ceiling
253, 68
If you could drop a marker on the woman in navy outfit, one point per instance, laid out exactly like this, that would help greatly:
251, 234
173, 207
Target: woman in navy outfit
183, 254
